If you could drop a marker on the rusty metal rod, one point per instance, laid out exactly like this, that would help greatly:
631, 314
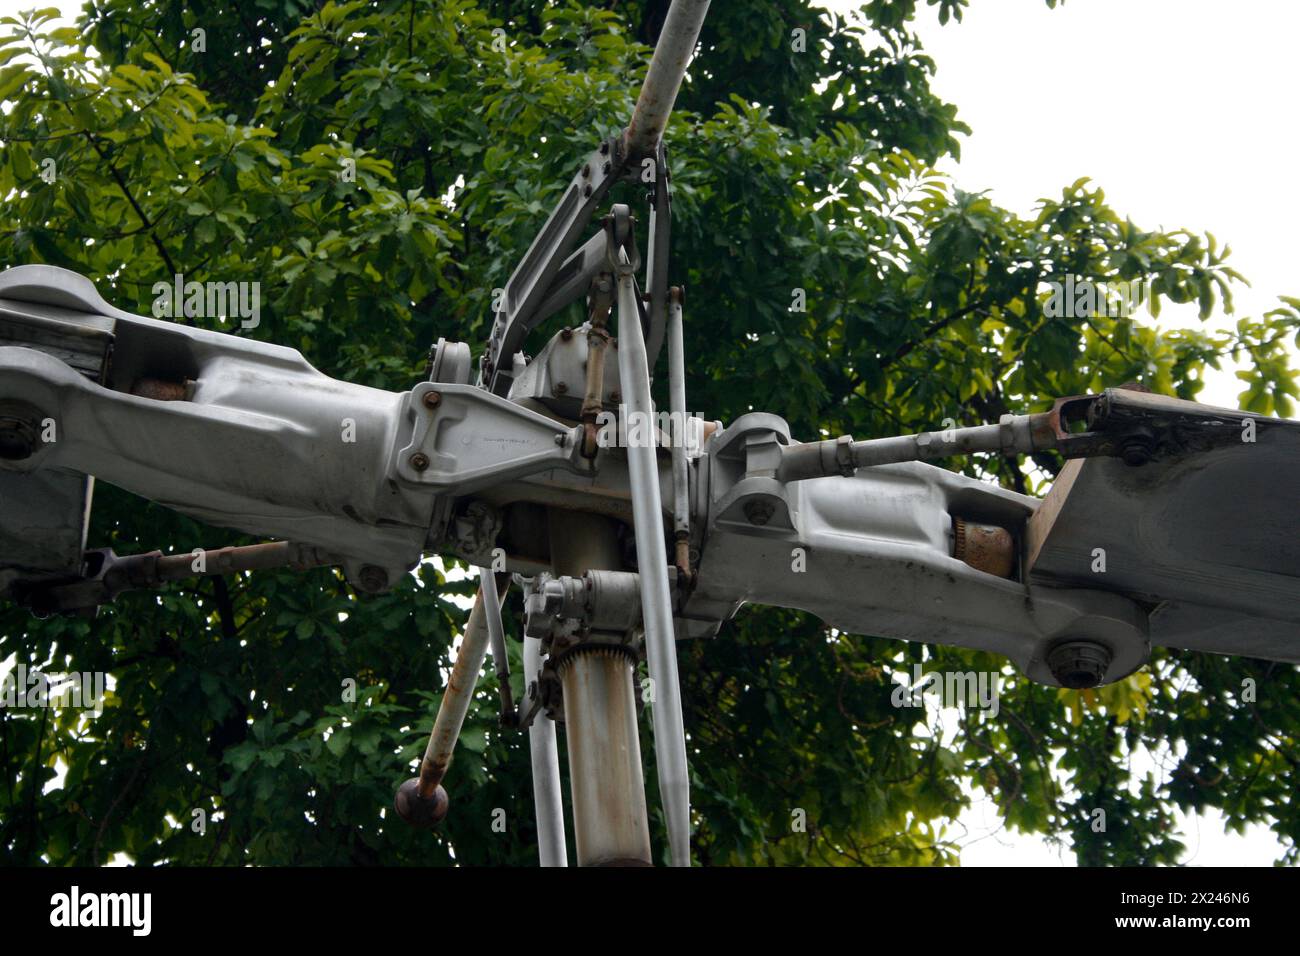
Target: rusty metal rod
456, 699
672, 53
109, 575
253, 557
1014, 434
606, 782
593, 398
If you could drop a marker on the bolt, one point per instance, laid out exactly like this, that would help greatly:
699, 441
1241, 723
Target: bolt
616, 396
566, 334
18, 430
1079, 664
1135, 452
373, 578
17, 439
1137, 447
419, 461
559, 388
759, 511
432, 399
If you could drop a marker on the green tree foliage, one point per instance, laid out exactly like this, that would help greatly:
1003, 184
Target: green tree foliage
792, 171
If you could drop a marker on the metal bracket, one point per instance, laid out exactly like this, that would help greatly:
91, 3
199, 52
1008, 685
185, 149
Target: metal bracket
657, 262
599, 600
532, 283
1139, 426
620, 232
564, 613
464, 439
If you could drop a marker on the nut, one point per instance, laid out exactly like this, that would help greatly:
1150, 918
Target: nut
1079, 664
373, 578
759, 511
19, 430
17, 439
1138, 447
419, 461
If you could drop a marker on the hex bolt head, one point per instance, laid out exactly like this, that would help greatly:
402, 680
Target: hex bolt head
1079, 665
17, 439
19, 429
1135, 453
759, 511
373, 578
432, 399
1138, 448
419, 461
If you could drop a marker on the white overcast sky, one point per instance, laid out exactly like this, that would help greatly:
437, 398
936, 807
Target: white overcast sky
1183, 111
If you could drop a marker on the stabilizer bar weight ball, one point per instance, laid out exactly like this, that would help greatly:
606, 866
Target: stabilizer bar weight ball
424, 813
